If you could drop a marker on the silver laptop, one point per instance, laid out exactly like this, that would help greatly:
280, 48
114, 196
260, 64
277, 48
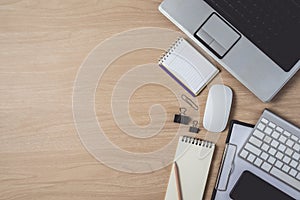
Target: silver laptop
258, 42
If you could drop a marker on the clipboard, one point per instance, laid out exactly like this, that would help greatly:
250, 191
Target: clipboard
237, 135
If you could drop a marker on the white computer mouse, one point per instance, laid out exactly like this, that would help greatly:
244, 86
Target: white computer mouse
217, 108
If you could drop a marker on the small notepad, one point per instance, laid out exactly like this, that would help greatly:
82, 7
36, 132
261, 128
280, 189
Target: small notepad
193, 158
187, 66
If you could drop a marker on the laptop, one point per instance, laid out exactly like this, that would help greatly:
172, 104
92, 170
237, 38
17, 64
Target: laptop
243, 178
273, 151
257, 41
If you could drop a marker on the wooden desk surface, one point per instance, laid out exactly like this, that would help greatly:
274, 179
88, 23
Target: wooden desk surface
43, 44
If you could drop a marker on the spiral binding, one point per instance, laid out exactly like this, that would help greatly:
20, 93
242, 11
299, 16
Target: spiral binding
197, 141
170, 50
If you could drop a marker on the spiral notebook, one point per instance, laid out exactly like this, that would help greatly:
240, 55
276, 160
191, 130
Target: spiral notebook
187, 66
193, 157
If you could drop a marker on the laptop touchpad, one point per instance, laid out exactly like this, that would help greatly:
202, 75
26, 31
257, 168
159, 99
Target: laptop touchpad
217, 35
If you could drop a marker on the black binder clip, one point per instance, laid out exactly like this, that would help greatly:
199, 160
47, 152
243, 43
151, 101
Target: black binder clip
194, 128
181, 117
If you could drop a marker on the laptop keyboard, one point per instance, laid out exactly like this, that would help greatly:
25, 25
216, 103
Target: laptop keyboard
272, 25
274, 146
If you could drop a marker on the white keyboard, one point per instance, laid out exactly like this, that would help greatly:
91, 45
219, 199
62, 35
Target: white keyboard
274, 147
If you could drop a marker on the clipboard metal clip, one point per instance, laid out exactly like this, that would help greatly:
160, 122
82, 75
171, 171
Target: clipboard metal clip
227, 167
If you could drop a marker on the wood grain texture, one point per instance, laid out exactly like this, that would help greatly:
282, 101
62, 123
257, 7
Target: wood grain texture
43, 44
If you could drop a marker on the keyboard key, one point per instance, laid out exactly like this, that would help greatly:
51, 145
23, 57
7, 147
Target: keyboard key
296, 147
264, 120
295, 138
289, 151
265, 147
286, 159
298, 176
274, 143
272, 125
293, 164
279, 155
268, 130
255, 141
271, 160
275, 135
261, 126
293, 172
267, 139
290, 143
272, 151
253, 149
264, 156
286, 133
278, 164
286, 168
266, 166
259, 134
279, 129
282, 147
282, 139
244, 153
251, 157
286, 178
258, 162
296, 156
